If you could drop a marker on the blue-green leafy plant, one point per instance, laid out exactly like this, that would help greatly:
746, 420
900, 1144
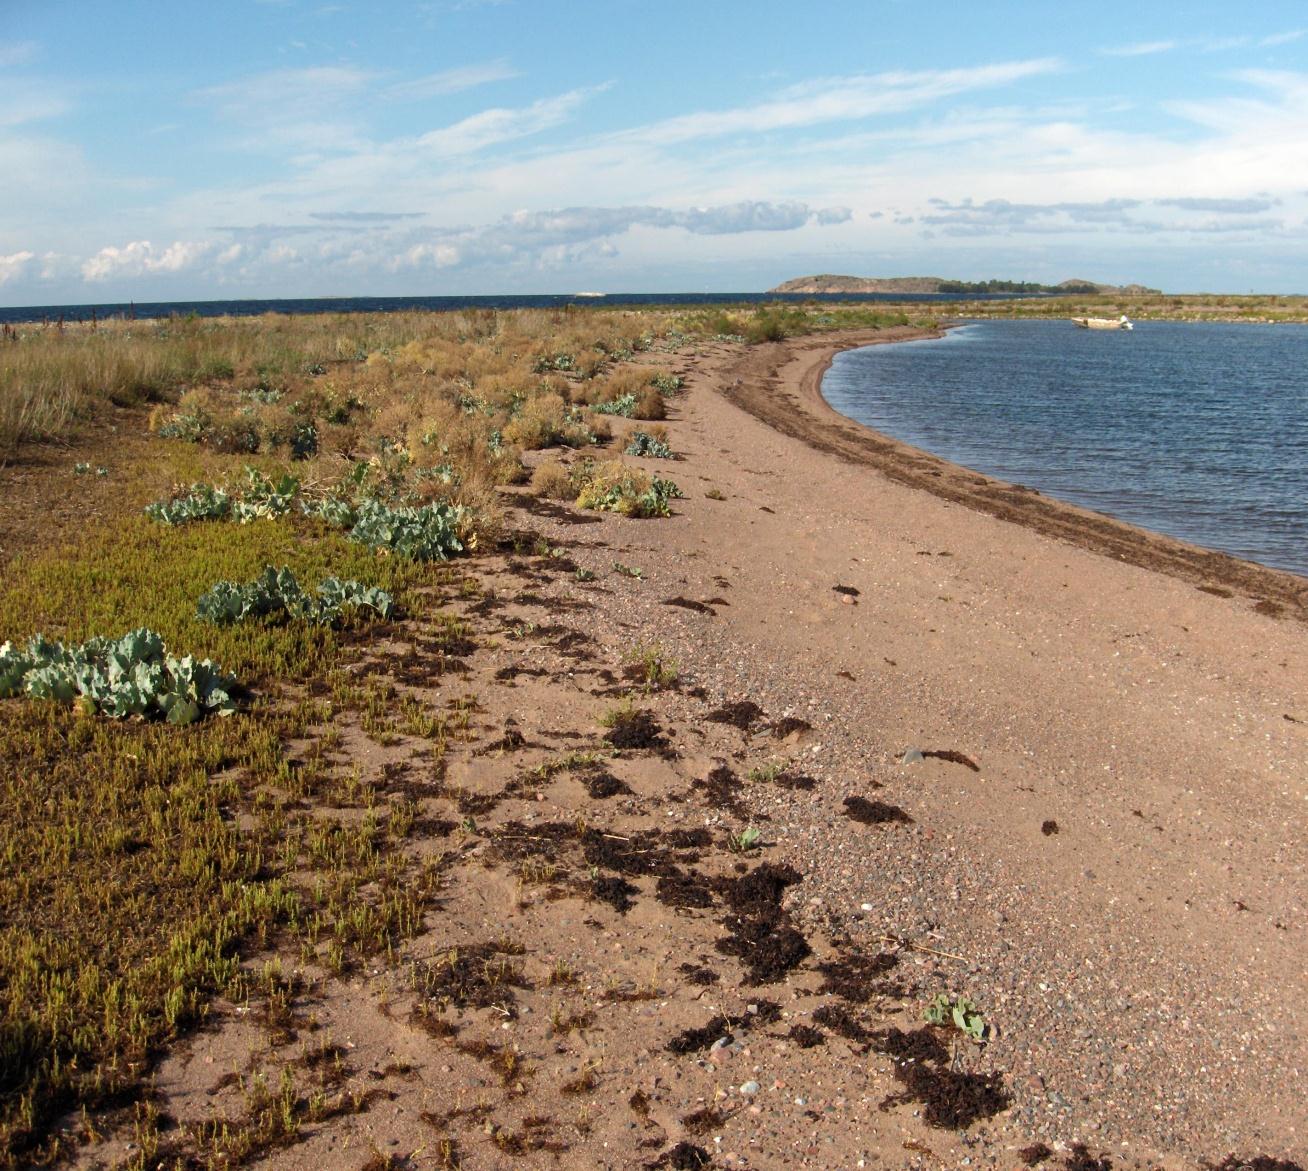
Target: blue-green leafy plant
641, 443
624, 405
333, 510
426, 533
202, 502
263, 498
275, 594
130, 676
961, 1013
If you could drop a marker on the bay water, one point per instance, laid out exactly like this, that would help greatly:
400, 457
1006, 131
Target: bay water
1196, 430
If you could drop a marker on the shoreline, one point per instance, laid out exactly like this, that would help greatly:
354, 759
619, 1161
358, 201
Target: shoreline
1123, 849
1100, 839
797, 408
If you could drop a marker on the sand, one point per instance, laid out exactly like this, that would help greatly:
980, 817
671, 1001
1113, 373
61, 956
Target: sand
1101, 845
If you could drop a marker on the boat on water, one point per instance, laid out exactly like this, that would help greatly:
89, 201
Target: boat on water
587, 293
1102, 322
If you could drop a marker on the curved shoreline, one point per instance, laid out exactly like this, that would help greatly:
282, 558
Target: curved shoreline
781, 385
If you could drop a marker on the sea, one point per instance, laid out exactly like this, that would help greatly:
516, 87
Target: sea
1196, 430
252, 308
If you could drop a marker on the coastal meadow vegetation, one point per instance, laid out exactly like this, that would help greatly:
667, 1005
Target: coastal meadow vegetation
277, 494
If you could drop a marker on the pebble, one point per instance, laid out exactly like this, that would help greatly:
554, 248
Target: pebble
749, 1088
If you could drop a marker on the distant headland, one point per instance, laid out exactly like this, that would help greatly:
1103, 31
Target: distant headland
830, 283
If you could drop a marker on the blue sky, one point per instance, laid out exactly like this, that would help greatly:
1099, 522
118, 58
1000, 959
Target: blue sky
264, 148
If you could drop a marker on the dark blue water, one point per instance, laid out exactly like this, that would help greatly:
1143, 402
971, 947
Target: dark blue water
1199, 431
251, 308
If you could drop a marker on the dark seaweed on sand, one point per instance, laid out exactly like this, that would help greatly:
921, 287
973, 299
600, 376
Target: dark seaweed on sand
695, 1040
683, 1157
805, 1036
1080, 1159
839, 1020
874, 812
636, 729
761, 935
918, 1045
742, 714
857, 977
684, 890
950, 1100
615, 891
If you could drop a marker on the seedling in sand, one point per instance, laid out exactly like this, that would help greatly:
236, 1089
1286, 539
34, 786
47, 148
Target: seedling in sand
748, 839
961, 1013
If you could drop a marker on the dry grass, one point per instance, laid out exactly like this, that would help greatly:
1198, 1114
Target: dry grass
552, 481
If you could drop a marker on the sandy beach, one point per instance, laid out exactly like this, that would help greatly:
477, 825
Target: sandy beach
740, 792
1143, 961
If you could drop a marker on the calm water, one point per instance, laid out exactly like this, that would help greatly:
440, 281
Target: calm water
250, 308
1198, 431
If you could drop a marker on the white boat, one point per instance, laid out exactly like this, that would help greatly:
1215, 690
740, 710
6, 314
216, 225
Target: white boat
1102, 322
586, 293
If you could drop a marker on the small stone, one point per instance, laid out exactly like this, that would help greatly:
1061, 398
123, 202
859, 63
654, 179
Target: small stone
749, 1088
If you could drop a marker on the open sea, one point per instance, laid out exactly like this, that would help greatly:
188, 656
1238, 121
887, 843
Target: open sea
1196, 430
251, 308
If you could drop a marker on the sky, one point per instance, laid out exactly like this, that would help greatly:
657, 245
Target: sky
304, 148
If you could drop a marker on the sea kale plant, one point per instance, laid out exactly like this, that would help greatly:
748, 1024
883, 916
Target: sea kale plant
130, 676
202, 502
276, 595
430, 532
615, 487
643, 444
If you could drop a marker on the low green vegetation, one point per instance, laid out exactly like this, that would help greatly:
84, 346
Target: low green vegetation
961, 1013
129, 676
641, 443
276, 595
153, 851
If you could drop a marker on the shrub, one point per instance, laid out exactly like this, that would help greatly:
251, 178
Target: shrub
624, 405
616, 487
650, 405
543, 422
551, 480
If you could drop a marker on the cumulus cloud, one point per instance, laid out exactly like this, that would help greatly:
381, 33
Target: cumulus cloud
1003, 215
13, 266
140, 258
16, 53
527, 233
999, 216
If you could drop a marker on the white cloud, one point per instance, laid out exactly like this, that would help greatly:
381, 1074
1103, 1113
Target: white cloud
140, 257
14, 265
841, 99
24, 101
1140, 49
450, 81
492, 127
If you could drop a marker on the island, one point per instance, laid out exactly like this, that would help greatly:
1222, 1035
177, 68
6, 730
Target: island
831, 283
